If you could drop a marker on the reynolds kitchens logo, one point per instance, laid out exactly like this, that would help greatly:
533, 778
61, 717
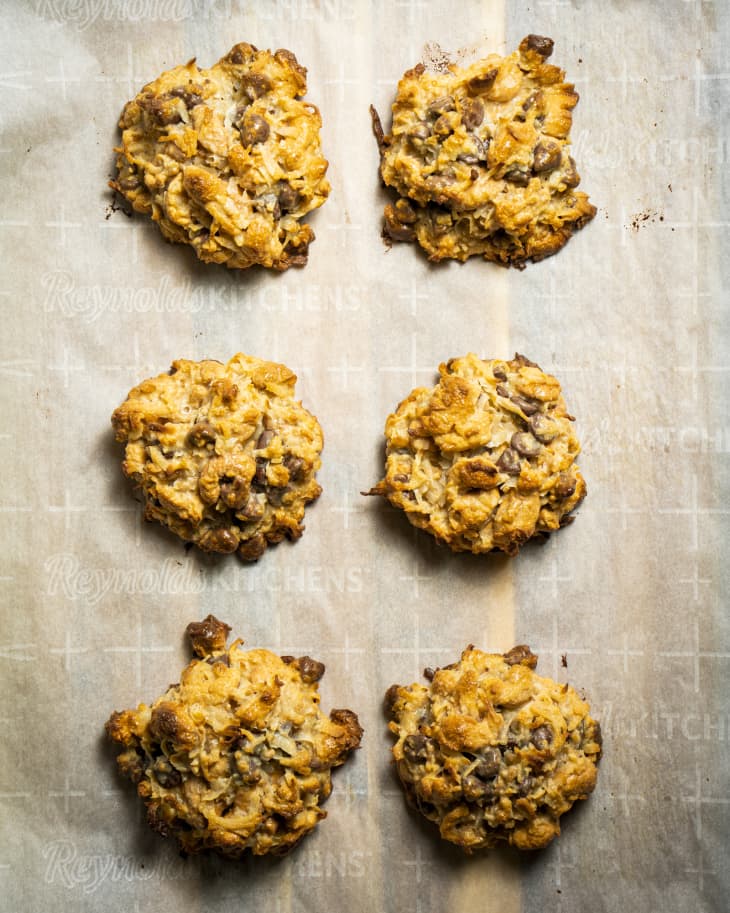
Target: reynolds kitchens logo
68, 577
90, 302
84, 13
88, 871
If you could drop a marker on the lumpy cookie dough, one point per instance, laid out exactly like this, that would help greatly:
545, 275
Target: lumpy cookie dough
492, 752
485, 460
238, 755
224, 455
480, 159
228, 159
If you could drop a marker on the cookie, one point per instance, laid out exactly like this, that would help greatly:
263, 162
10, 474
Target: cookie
492, 752
224, 455
485, 460
238, 755
479, 157
227, 159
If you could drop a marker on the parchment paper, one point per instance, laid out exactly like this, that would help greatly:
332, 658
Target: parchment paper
627, 604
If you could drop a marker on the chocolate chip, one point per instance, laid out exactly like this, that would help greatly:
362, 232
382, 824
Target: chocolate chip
394, 228
528, 406
240, 113
161, 108
525, 362
219, 540
254, 85
346, 718
252, 510
129, 183
252, 549
310, 669
191, 99
571, 176
517, 174
163, 723
474, 789
415, 749
439, 180
254, 130
597, 734
544, 428
264, 440
468, 158
520, 655
201, 433
405, 212
222, 658
565, 486
234, 491
509, 463
472, 113
260, 474
481, 147
532, 99
443, 126
488, 766
542, 736
377, 126
391, 696
295, 466
441, 105
546, 156
289, 198
483, 81
543, 46
503, 391
499, 373
208, 636
525, 444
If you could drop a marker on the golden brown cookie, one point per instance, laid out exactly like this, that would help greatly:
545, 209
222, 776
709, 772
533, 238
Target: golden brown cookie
225, 456
486, 459
228, 159
480, 159
238, 755
492, 752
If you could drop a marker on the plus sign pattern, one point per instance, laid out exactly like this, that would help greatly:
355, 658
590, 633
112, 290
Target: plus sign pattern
639, 323
627, 603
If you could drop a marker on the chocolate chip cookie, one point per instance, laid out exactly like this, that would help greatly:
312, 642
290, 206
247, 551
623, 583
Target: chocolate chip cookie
224, 455
227, 159
479, 157
492, 752
485, 460
238, 755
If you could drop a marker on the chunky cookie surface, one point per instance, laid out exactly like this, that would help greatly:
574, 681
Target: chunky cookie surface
227, 159
238, 755
492, 752
486, 459
480, 159
224, 455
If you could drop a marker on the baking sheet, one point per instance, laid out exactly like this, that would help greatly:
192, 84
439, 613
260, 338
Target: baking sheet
626, 604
